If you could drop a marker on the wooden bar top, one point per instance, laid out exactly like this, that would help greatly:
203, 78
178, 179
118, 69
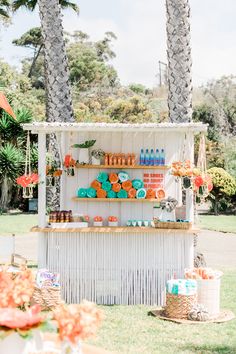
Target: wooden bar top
124, 229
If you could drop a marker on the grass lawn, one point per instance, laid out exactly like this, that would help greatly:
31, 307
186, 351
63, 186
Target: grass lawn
224, 223
17, 223
128, 329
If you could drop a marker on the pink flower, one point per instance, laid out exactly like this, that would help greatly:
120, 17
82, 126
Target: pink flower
14, 318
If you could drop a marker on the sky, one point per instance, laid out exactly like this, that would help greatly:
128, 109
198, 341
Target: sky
141, 36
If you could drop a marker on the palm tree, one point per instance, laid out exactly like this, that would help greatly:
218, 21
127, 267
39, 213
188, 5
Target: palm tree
58, 102
179, 61
4, 8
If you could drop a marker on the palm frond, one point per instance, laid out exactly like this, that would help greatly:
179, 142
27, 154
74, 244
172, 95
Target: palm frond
28, 4
65, 4
4, 8
11, 162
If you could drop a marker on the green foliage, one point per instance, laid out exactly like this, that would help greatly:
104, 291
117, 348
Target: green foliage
31, 39
205, 114
224, 186
128, 111
5, 6
87, 67
12, 153
138, 88
230, 156
31, 4
11, 162
220, 95
223, 182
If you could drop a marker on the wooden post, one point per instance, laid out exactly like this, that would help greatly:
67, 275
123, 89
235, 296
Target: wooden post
189, 192
42, 179
62, 143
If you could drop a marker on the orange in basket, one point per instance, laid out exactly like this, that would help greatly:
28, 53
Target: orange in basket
116, 187
113, 178
132, 193
101, 193
127, 185
96, 185
151, 194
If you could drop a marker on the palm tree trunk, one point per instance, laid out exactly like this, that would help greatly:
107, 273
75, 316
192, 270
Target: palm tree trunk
4, 194
58, 94
179, 61
59, 102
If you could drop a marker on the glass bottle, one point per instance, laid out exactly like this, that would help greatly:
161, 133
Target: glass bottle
152, 158
162, 157
142, 158
157, 158
147, 158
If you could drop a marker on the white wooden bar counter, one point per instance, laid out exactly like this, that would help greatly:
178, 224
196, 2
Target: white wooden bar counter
123, 265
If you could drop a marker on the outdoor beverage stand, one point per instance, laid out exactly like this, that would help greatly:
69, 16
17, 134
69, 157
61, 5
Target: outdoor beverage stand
129, 262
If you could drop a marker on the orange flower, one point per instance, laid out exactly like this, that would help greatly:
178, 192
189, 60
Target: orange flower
14, 318
77, 321
16, 289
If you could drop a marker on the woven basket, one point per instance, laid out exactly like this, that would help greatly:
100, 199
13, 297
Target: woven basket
179, 306
47, 297
172, 225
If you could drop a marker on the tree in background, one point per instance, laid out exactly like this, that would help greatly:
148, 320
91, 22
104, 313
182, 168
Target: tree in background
33, 40
179, 61
224, 186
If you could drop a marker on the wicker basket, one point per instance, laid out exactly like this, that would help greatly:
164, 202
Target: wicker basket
179, 306
172, 225
47, 297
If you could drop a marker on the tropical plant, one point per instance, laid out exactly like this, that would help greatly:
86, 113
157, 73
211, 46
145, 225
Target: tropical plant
179, 61
224, 185
12, 153
31, 4
5, 6
11, 165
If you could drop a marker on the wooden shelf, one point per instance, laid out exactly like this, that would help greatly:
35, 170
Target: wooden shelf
136, 167
115, 200
107, 229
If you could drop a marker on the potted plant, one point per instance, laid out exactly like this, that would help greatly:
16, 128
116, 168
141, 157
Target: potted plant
97, 156
84, 156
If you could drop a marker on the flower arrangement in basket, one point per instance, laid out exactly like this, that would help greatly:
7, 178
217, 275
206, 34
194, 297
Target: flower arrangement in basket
29, 180
17, 318
76, 323
195, 178
192, 178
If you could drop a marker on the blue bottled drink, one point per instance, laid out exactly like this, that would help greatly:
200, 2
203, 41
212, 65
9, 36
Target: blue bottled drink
162, 157
147, 158
152, 158
142, 157
157, 158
